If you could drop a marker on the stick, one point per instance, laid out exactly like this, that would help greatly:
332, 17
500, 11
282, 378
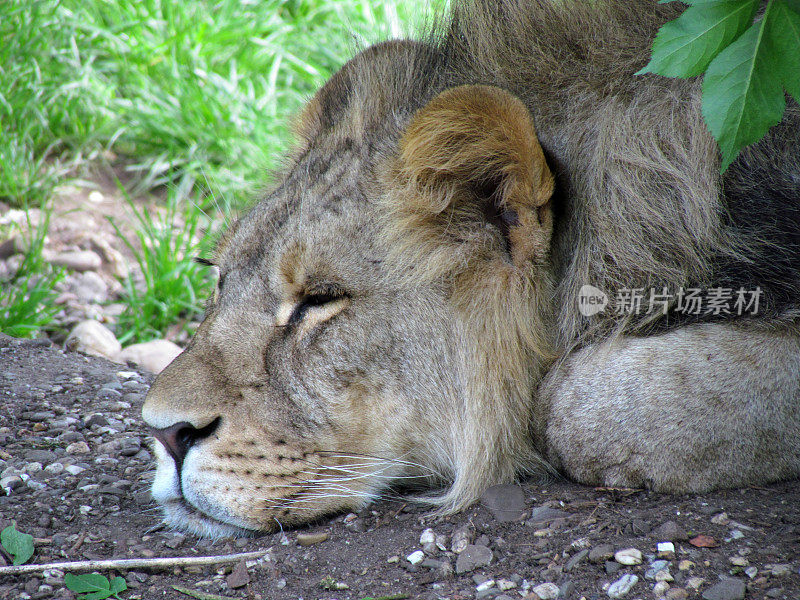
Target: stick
132, 563
200, 595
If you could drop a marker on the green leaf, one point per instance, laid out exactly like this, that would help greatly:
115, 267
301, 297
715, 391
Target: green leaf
742, 98
783, 30
17, 544
118, 585
94, 585
685, 47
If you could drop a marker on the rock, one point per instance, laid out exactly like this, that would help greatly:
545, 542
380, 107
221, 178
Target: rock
153, 356
601, 553
542, 515
428, 537
628, 556
676, 594
546, 591
309, 539
622, 586
78, 448
416, 557
727, 589
695, 582
655, 567
670, 531
489, 583
665, 548
239, 577
77, 260
720, 519
505, 502
472, 557
89, 287
462, 537
93, 338
11, 482
505, 584
575, 560
660, 589
567, 590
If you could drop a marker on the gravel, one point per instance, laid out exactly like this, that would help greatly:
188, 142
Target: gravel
75, 455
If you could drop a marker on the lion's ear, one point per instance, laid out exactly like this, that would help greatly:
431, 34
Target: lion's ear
470, 158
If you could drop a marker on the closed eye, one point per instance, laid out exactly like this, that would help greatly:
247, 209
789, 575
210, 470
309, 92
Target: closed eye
311, 301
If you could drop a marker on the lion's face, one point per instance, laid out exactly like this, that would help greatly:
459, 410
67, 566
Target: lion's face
366, 328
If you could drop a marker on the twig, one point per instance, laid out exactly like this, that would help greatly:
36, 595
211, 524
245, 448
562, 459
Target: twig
394, 597
200, 595
132, 563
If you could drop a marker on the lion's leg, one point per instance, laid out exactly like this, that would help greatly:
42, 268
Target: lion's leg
702, 407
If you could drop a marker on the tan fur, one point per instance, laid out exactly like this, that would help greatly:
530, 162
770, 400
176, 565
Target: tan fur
402, 306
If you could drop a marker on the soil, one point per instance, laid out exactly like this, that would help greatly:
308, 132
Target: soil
70, 428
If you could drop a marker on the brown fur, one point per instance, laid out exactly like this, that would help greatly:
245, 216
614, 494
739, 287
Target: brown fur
402, 306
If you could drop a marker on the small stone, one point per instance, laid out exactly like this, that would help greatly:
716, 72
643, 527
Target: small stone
738, 561
720, 519
567, 589
78, 448
671, 532
309, 539
428, 537
239, 577
628, 556
77, 260
685, 565
727, 589
505, 584
393, 559
780, 570
612, 567
542, 515
575, 560
489, 583
175, 541
660, 589
11, 482
546, 591
473, 557
695, 582
655, 567
751, 572
774, 593
601, 553
665, 548
622, 586
505, 502
93, 338
462, 538
664, 575
416, 557
153, 356
677, 594
74, 470
55, 468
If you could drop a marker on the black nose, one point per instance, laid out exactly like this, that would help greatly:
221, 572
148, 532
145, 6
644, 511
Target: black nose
178, 438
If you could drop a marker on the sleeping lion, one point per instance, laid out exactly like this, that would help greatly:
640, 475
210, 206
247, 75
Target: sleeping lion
494, 252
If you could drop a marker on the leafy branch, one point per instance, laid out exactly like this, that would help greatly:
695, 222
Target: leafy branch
747, 64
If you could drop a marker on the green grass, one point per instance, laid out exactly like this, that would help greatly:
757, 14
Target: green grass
192, 99
199, 91
27, 297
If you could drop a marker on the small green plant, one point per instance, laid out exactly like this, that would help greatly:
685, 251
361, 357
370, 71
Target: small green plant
27, 297
95, 586
747, 64
19, 545
172, 284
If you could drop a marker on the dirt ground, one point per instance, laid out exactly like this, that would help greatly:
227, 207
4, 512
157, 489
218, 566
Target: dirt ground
76, 468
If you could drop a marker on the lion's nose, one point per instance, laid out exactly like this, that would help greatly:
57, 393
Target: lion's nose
178, 438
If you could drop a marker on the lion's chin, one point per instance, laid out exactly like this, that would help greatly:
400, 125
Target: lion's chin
183, 517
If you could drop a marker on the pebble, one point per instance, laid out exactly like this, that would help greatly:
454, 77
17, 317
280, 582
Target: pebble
505, 502
575, 560
93, 338
622, 586
727, 589
239, 577
542, 515
546, 591
416, 557
473, 557
695, 582
489, 583
677, 593
670, 531
309, 539
462, 538
660, 589
628, 556
601, 553
505, 584
78, 448
76, 260
665, 548
428, 537
153, 356
655, 567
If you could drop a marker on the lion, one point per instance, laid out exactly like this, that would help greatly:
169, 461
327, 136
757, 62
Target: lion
408, 305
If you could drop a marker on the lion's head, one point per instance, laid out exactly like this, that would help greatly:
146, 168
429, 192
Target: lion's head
378, 314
